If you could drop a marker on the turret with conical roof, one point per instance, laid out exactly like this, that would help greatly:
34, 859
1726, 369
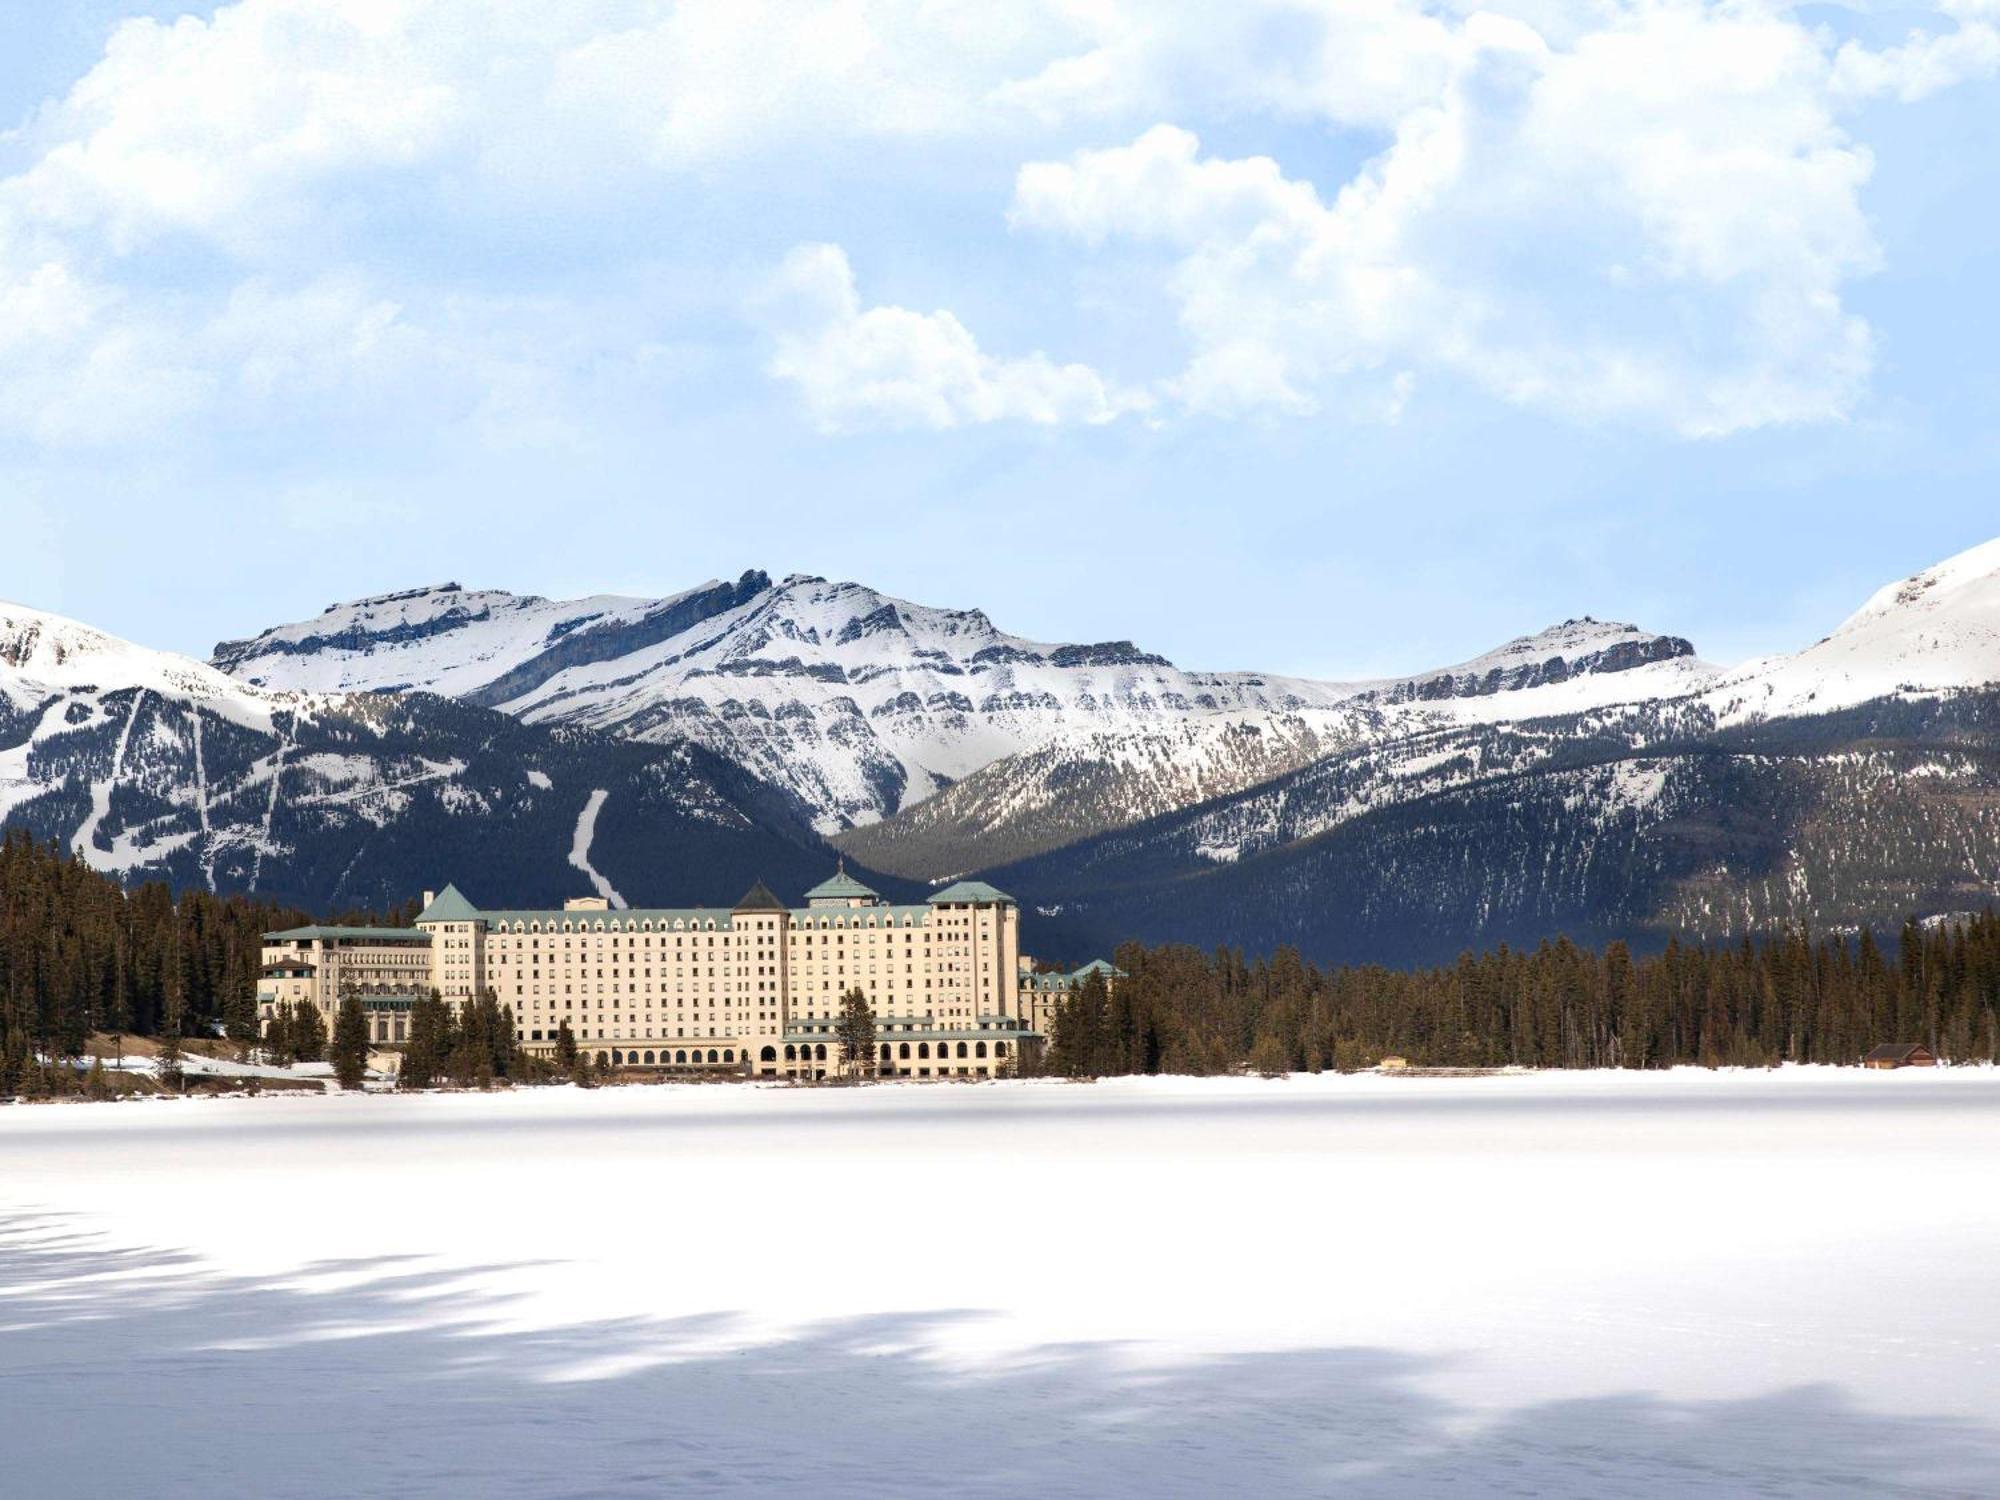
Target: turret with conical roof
759, 898
841, 889
448, 906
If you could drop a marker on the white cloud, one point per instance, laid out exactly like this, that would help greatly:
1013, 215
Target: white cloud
890, 366
1928, 61
214, 127
1629, 209
1653, 222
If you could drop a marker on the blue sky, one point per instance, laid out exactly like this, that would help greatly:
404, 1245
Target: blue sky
1321, 337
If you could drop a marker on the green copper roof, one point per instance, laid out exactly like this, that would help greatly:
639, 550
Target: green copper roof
351, 934
1048, 983
971, 890
450, 906
840, 886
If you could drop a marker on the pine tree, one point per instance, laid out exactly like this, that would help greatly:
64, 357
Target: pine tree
239, 1018
350, 1042
428, 1053
308, 1032
565, 1047
1268, 1058
168, 1062
856, 1031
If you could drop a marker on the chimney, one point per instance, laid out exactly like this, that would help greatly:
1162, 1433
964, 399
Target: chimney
429, 897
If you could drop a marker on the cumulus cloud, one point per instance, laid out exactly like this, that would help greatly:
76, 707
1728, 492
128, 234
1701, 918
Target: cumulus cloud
1655, 221
890, 366
1633, 210
1928, 60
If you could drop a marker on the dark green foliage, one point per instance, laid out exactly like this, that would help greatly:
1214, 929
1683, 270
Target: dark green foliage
856, 1030
1781, 998
482, 1043
350, 1043
428, 1054
473, 1046
296, 1033
565, 1047
168, 1061
79, 954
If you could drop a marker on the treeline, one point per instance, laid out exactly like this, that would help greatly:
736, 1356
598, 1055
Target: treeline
81, 954
1787, 997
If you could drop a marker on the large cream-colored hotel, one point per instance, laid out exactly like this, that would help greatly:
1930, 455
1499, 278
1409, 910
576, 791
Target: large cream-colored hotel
755, 988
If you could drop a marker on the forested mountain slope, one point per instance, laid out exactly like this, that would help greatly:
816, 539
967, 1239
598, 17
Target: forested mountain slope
152, 766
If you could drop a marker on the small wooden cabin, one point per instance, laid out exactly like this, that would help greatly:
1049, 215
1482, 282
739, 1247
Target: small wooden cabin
1900, 1055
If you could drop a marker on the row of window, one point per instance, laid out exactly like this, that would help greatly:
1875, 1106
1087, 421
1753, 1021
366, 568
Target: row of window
721, 924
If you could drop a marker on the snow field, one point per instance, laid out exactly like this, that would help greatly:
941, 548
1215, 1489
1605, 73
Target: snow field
1550, 1284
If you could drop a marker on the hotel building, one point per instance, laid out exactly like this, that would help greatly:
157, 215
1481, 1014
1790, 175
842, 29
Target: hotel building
755, 988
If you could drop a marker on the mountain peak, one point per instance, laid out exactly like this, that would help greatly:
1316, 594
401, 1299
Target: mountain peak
40, 650
1578, 647
1968, 583
1934, 631
374, 601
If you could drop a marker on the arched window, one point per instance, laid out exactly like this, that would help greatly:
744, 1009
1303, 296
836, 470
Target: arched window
961, 1049
885, 1052
923, 1049
617, 1057
903, 1050
791, 1053
649, 1057
770, 1054
819, 1052
999, 1049
711, 1054
729, 1054
979, 1049
680, 1057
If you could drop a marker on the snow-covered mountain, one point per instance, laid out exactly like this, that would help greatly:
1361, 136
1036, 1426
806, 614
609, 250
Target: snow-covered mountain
861, 705
1857, 781
1087, 780
1935, 631
856, 703
42, 653
153, 766
1594, 775
1584, 651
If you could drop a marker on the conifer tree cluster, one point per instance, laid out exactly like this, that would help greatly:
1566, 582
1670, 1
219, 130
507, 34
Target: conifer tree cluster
1785, 998
296, 1033
473, 1046
79, 954
349, 1048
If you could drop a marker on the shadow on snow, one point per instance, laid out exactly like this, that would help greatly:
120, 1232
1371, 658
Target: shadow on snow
136, 1372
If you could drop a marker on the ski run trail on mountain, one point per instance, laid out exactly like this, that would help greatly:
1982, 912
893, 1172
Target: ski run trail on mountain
1574, 1285
100, 793
579, 849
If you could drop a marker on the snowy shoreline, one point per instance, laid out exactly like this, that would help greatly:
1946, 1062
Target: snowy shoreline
1368, 1083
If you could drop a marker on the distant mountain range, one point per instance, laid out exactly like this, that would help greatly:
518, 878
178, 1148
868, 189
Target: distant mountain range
1593, 778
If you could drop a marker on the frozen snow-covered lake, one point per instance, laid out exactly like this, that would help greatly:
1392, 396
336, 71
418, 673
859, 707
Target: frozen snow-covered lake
1584, 1285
